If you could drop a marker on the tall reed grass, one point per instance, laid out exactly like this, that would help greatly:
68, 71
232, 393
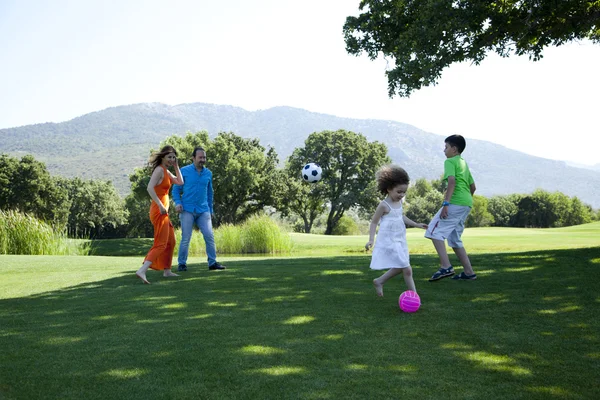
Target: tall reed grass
259, 235
24, 234
229, 239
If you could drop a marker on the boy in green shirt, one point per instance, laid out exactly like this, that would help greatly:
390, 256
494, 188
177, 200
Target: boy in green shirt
449, 222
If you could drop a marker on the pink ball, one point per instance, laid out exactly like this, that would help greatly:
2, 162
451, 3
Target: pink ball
409, 301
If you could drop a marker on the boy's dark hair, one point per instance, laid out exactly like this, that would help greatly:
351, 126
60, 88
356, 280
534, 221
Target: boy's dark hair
457, 141
197, 149
389, 176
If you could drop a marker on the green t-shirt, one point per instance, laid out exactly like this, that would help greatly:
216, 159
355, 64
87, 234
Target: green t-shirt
458, 168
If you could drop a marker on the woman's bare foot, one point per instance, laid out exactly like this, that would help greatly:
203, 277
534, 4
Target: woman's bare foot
142, 276
169, 274
378, 287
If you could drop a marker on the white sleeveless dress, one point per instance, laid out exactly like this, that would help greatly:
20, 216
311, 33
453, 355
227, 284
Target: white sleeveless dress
391, 249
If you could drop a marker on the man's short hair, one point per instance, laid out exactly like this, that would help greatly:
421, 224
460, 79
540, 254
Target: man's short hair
197, 149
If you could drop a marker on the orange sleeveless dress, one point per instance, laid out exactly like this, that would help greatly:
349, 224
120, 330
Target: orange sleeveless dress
161, 253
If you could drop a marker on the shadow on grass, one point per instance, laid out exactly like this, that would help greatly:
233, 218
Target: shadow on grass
313, 328
121, 247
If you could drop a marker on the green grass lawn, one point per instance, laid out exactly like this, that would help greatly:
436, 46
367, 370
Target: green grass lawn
477, 240
307, 326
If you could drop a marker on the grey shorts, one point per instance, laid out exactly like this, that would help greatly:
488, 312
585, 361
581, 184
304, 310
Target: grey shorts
451, 227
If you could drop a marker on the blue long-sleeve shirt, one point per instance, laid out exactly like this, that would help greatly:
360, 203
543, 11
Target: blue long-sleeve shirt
196, 193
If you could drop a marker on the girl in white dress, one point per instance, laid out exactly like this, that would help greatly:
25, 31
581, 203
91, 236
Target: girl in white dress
391, 250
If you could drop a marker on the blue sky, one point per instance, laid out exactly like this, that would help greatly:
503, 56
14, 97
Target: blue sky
62, 59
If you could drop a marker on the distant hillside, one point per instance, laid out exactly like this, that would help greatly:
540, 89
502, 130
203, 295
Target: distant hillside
595, 167
108, 144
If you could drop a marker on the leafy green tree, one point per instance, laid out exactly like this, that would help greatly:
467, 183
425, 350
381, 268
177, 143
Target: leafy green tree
423, 200
244, 177
420, 188
536, 210
440, 184
138, 220
561, 203
273, 189
349, 164
137, 204
303, 199
346, 226
96, 208
540, 209
185, 145
504, 209
578, 213
9, 167
421, 38
26, 186
479, 215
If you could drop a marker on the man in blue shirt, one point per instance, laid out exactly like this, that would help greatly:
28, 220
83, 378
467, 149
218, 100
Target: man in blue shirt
195, 206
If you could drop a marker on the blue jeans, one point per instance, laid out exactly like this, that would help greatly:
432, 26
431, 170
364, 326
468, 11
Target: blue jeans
204, 223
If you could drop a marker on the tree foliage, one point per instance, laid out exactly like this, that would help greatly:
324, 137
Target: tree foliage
308, 201
85, 208
536, 210
423, 200
578, 213
96, 209
346, 226
26, 186
138, 220
504, 209
479, 215
421, 38
539, 209
244, 176
349, 163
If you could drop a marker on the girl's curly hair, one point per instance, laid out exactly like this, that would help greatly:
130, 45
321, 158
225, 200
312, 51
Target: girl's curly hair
389, 176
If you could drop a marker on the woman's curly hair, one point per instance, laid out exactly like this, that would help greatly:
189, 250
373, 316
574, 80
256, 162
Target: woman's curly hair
389, 176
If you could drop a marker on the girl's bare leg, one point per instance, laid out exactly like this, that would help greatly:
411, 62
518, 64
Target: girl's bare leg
408, 279
379, 282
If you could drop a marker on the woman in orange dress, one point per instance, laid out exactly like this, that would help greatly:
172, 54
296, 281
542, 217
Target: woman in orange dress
160, 255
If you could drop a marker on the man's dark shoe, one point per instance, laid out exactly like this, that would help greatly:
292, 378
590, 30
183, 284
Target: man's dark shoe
442, 273
216, 266
181, 267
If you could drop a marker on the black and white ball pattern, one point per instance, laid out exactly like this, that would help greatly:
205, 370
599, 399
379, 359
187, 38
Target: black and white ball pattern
311, 173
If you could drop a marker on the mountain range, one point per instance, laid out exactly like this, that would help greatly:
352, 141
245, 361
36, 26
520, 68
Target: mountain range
109, 144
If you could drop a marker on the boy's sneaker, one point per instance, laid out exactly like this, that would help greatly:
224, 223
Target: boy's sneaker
442, 273
464, 277
181, 267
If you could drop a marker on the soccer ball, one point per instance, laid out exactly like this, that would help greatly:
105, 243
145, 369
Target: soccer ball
409, 301
311, 172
